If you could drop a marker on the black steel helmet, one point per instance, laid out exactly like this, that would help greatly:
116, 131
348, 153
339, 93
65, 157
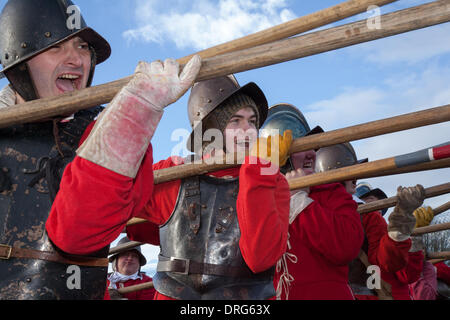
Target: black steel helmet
336, 156
29, 27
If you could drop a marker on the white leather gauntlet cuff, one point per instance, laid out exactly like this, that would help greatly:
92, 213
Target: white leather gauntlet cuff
299, 201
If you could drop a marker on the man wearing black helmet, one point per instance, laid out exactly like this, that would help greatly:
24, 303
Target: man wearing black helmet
43, 55
41, 58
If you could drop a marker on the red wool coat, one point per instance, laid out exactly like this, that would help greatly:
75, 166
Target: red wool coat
443, 272
146, 294
325, 237
398, 266
98, 202
262, 210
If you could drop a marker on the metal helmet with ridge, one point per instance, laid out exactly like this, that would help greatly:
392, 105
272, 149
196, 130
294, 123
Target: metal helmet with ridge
336, 156
285, 116
207, 96
29, 27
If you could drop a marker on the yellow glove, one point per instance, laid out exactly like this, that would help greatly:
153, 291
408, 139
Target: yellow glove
423, 215
273, 148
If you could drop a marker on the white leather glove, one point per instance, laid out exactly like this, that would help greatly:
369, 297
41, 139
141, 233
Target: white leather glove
402, 220
123, 131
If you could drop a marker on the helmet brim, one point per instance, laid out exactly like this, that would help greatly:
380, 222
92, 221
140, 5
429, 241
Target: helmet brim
378, 193
96, 41
142, 259
252, 90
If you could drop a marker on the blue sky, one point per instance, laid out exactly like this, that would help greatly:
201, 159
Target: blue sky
366, 82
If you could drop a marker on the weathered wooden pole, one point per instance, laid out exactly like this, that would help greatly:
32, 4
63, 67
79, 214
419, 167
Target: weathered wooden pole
373, 167
137, 287
291, 28
361, 131
392, 201
442, 208
439, 255
431, 229
366, 207
256, 57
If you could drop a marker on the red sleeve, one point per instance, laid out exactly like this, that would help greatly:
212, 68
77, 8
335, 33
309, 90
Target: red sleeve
158, 209
263, 214
331, 224
443, 272
107, 296
412, 272
389, 255
94, 204
145, 232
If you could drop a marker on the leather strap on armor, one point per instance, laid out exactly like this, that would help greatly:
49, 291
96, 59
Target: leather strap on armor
186, 266
7, 252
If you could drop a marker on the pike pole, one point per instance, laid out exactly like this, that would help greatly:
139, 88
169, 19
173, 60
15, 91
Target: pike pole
394, 23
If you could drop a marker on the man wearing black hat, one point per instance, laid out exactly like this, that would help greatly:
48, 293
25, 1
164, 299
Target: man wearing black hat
62, 255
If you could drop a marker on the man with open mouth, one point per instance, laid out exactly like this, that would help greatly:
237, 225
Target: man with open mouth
64, 255
41, 57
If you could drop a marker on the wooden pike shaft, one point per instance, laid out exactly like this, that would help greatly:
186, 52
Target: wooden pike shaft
438, 255
431, 229
291, 28
374, 128
366, 130
442, 208
433, 261
256, 57
367, 207
392, 201
326, 40
438, 164
370, 168
138, 287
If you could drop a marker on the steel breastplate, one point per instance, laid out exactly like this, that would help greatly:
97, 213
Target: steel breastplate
204, 228
32, 160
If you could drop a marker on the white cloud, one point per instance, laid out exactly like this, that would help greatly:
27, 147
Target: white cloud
411, 48
350, 107
205, 23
